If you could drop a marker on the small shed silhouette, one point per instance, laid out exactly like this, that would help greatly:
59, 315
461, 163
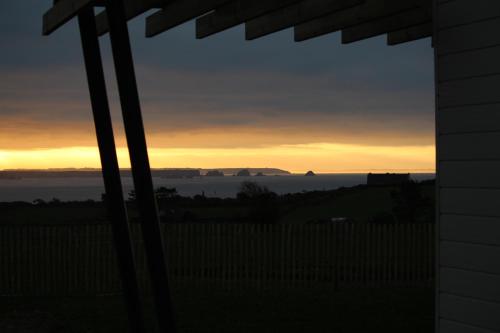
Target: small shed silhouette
381, 179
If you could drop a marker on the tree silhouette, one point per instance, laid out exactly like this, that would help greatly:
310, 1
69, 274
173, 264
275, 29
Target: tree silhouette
262, 203
409, 205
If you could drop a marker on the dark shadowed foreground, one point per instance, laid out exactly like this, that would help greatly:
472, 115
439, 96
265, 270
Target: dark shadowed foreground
370, 268
209, 309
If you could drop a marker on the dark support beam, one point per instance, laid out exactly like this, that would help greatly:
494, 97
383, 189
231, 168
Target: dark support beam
115, 205
133, 8
387, 24
178, 12
410, 34
234, 13
141, 172
295, 14
370, 10
61, 12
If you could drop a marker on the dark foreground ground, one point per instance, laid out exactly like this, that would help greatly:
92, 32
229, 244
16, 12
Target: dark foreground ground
211, 310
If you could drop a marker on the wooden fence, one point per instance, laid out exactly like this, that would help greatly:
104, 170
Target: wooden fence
80, 259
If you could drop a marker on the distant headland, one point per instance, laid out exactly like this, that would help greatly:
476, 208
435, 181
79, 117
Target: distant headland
159, 172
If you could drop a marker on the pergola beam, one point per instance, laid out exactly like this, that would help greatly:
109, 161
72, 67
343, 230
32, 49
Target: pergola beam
178, 12
61, 12
234, 13
133, 8
370, 10
410, 34
387, 24
295, 14
311, 18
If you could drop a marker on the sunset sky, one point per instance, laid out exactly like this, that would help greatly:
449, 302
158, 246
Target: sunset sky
222, 101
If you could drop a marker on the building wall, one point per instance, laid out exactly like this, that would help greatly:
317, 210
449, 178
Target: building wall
467, 48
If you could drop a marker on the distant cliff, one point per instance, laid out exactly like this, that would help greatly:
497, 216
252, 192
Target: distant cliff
177, 173
166, 173
255, 171
83, 173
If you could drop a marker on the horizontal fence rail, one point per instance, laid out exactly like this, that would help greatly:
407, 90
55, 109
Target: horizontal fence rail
80, 259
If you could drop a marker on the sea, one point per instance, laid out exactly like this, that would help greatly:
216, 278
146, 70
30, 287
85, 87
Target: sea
91, 188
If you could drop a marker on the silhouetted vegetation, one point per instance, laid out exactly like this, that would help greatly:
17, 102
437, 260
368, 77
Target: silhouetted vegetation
243, 173
262, 203
410, 205
411, 202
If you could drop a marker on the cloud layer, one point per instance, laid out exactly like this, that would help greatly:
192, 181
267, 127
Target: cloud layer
50, 108
219, 93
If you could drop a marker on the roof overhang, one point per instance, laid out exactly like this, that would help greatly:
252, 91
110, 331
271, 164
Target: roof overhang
401, 20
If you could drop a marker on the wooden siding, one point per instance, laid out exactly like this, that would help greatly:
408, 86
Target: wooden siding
467, 40
481, 174
474, 257
470, 284
470, 229
470, 201
470, 311
447, 326
469, 119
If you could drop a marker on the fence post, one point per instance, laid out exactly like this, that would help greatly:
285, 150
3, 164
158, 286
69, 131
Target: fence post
62, 259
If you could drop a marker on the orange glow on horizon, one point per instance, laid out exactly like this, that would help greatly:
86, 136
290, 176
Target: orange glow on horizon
319, 157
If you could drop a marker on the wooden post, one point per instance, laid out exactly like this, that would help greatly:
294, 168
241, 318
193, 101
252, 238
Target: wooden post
141, 172
110, 170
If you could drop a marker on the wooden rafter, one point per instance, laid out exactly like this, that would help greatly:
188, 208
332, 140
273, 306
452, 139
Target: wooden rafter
292, 15
357, 19
234, 13
178, 12
387, 24
368, 11
61, 12
410, 34
133, 8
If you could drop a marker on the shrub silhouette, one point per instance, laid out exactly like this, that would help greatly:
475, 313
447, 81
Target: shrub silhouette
262, 203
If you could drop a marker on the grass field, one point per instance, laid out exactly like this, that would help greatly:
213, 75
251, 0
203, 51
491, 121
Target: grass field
208, 308
211, 310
